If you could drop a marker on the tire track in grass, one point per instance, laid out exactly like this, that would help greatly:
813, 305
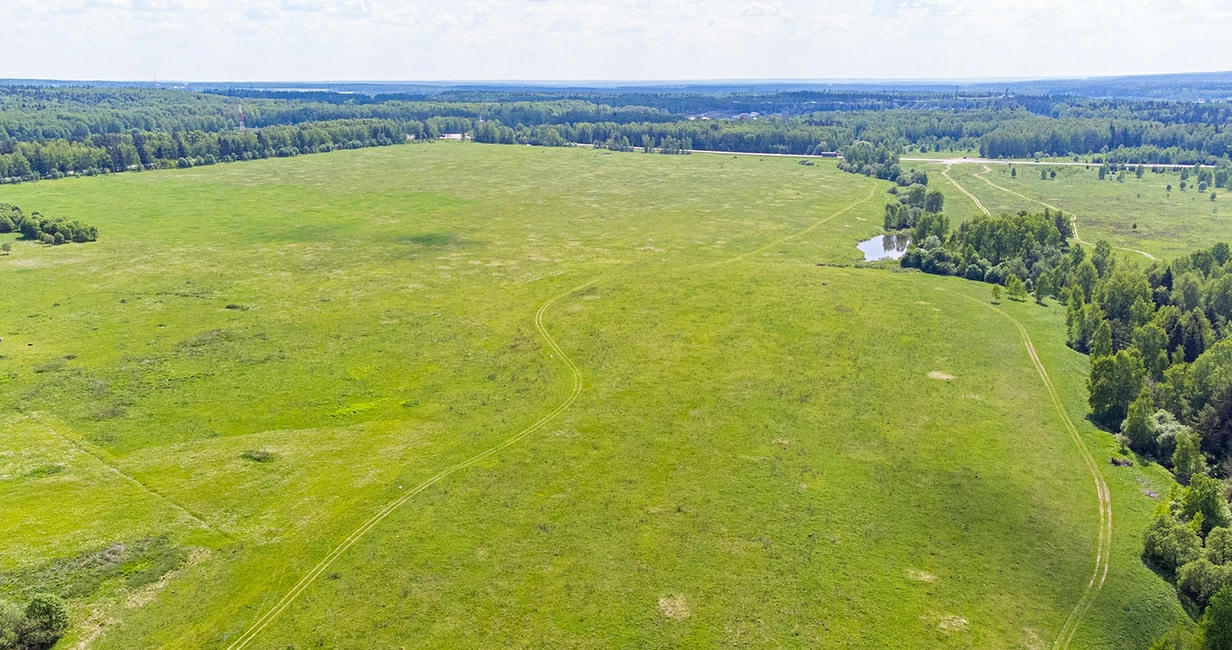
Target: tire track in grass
1073, 218
1103, 550
946, 174
260, 624
290, 597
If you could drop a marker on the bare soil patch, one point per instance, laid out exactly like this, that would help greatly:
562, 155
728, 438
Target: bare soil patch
675, 608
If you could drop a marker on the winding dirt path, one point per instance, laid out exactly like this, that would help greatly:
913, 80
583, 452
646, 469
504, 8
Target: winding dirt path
946, 174
1103, 549
1073, 218
290, 597
261, 623
1068, 630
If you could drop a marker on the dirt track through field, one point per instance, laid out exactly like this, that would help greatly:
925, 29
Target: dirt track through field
1103, 550
814, 226
290, 597
1067, 631
390, 507
946, 174
1073, 218
85, 449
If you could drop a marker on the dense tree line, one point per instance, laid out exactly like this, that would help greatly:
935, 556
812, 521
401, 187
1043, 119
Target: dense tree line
749, 136
146, 149
77, 122
1160, 346
48, 230
1159, 340
1125, 140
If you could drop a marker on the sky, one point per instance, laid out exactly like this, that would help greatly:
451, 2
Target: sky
433, 40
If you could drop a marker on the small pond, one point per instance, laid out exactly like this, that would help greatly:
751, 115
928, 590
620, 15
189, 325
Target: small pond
885, 247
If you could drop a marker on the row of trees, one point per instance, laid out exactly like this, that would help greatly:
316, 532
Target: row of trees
49, 230
119, 152
46, 132
1131, 140
748, 136
1009, 134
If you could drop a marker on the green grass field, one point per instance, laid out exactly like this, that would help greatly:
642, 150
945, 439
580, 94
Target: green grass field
256, 358
1138, 213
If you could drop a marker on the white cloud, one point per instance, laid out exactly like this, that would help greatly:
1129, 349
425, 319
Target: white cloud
595, 39
764, 9
346, 8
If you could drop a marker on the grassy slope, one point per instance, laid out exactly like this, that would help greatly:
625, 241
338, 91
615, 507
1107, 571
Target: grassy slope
760, 438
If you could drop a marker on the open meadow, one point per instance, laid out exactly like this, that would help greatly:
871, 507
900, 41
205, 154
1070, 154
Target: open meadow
754, 440
1137, 214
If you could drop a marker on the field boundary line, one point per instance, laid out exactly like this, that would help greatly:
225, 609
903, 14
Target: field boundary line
101, 459
290, 597
817, 224
1103, 551
1073, 217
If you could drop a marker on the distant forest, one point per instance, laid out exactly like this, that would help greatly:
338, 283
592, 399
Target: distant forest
48, 132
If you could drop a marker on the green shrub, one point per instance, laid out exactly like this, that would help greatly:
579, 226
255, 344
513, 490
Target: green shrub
12, 622
1219, 546
1167, 544
39, 625
1139, 424
1215, 628
1204, 496
1200, 580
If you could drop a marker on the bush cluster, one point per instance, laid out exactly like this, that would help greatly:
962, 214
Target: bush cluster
1023, 252
36, 626
49, 230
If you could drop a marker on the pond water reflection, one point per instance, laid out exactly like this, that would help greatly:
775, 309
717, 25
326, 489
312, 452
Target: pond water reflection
885, 247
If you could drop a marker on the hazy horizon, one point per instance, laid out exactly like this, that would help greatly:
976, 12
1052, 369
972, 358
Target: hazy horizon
621, 82
555, 41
